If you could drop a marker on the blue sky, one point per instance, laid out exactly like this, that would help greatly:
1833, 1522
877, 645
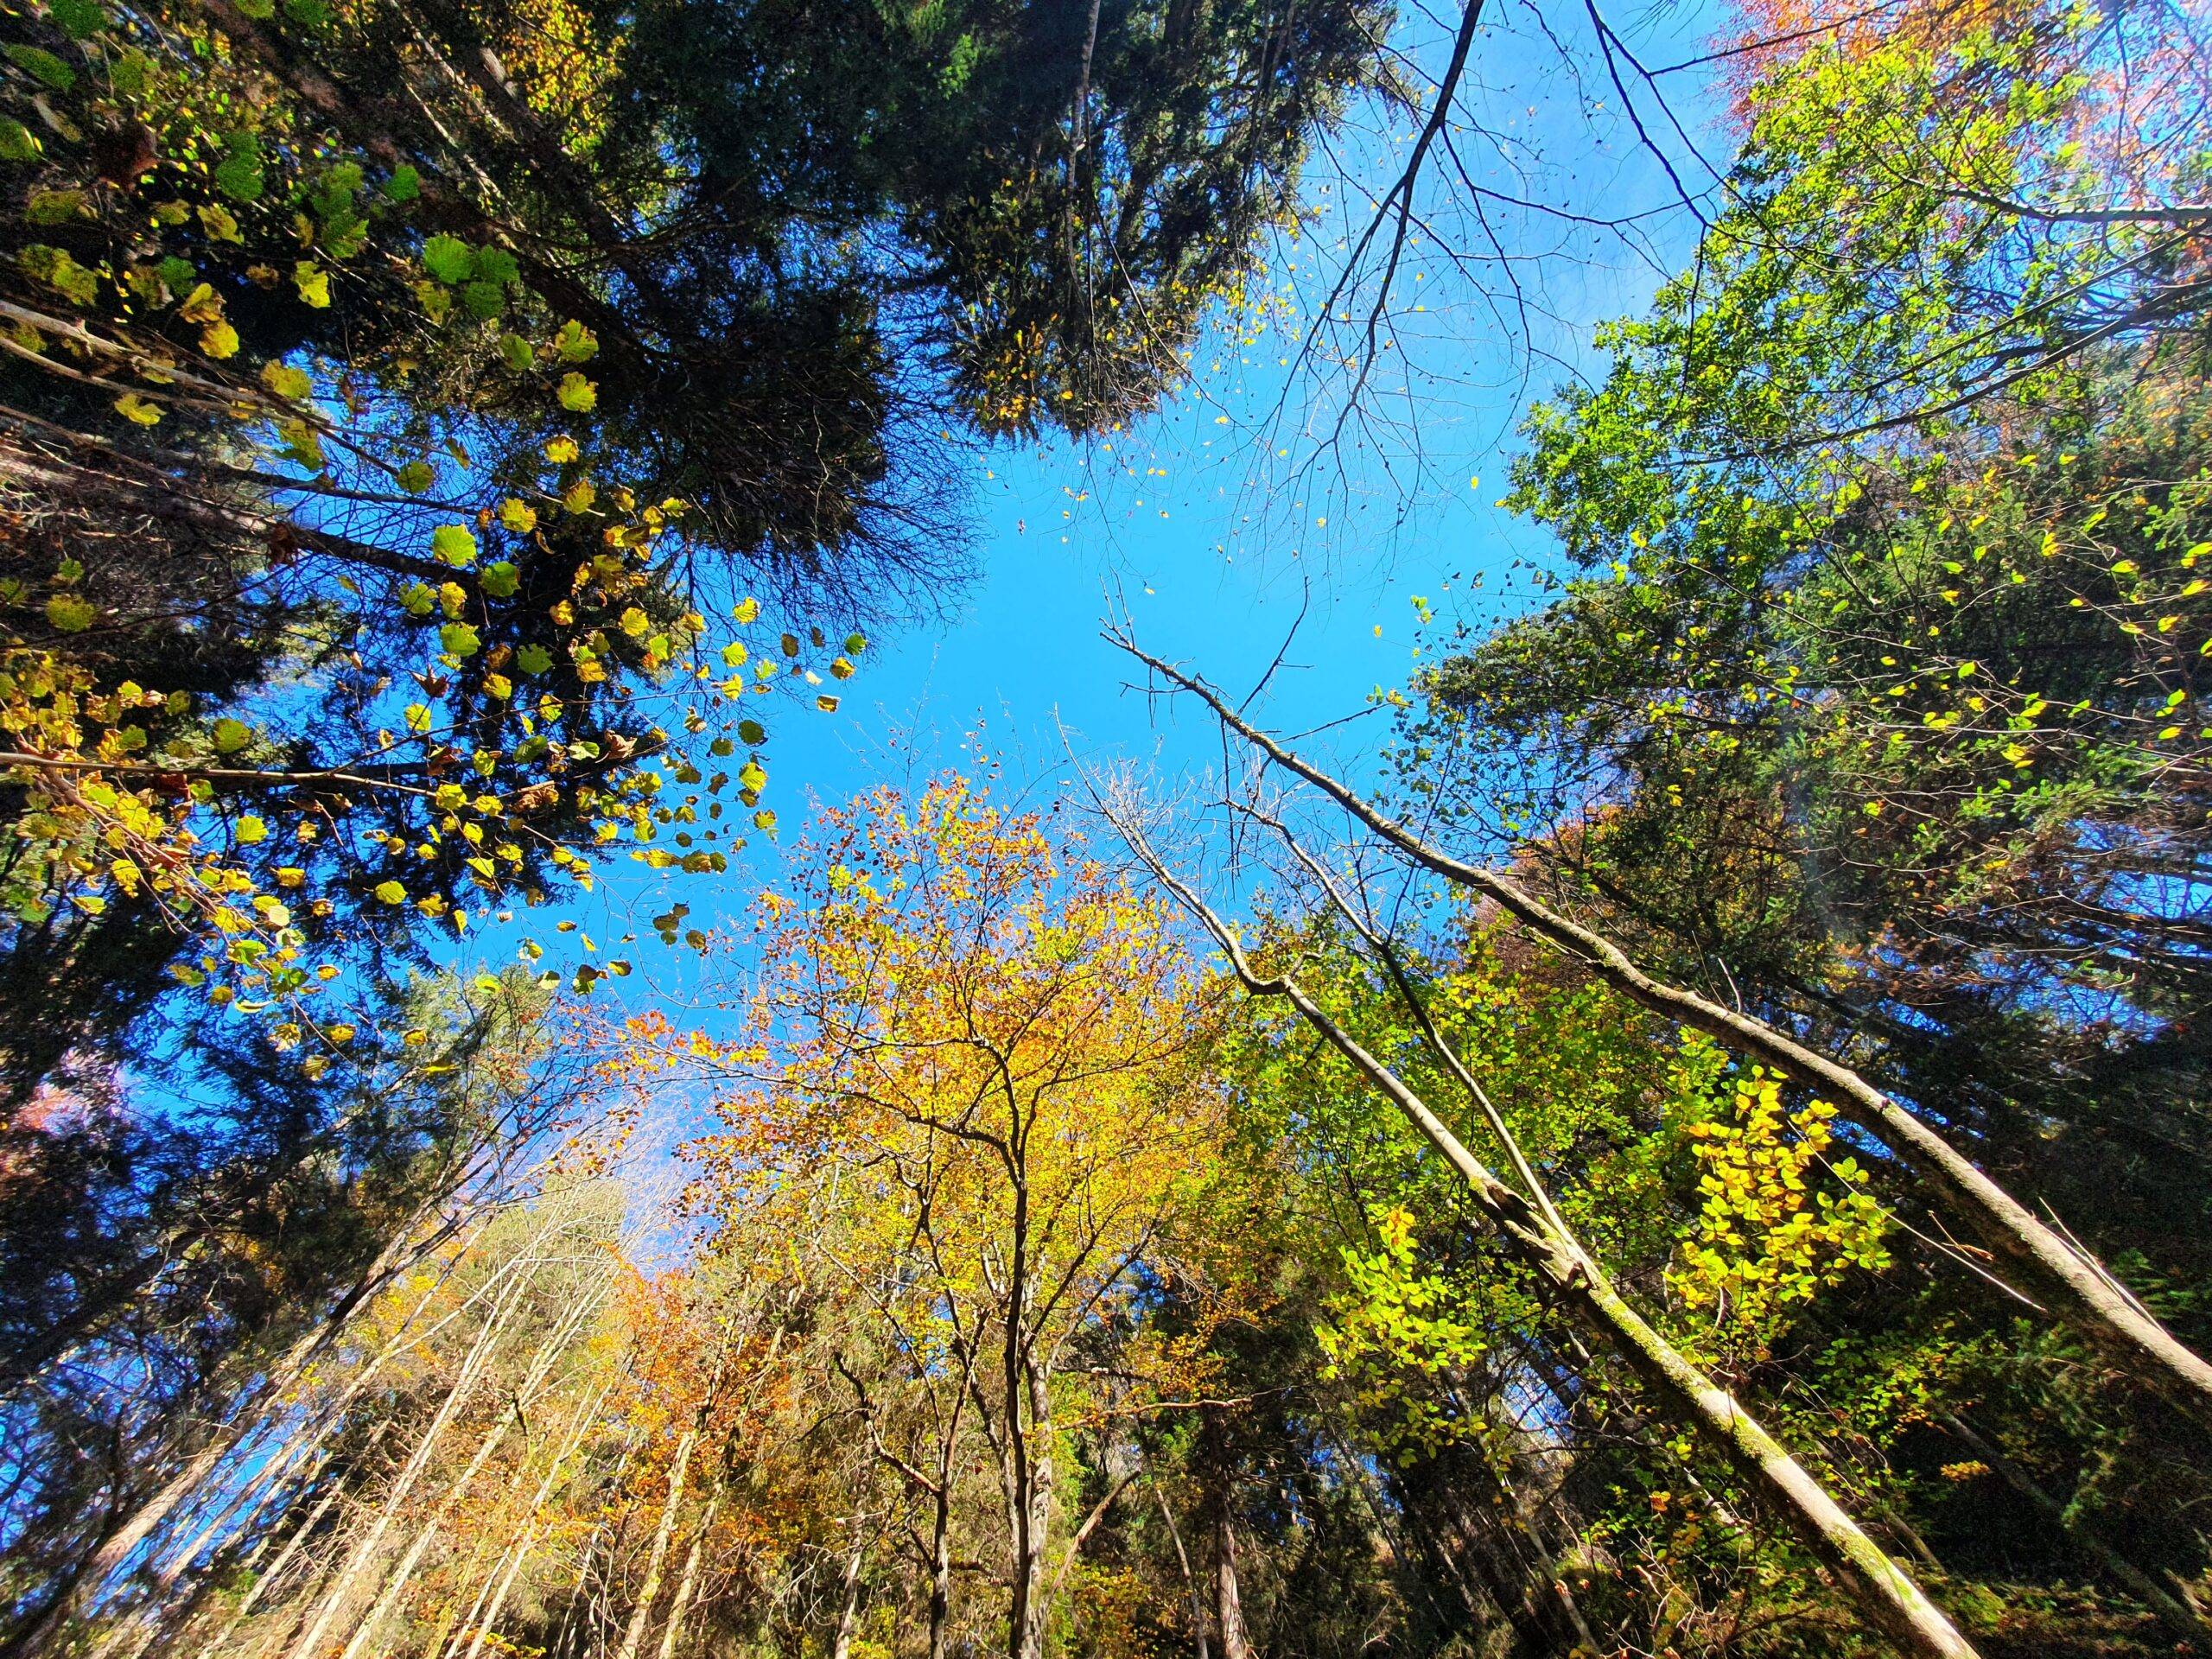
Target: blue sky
1254, 495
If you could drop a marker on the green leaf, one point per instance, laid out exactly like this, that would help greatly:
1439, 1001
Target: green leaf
516, 352
500, 579
453, 544
239, 175
534, 659
497, 265
251, 829
313, 283
416, 476
577, 394
458, 638
70, 615
752, 732
448, 258
231, 735
484, 299
576, 343
405, 184
286, 382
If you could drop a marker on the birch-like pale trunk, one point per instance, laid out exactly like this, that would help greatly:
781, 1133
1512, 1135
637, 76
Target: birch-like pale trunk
134, 1530
1025, 1442
276, 1569
633, 1635
585, 1556
2078, 1287
1883, 1590
365, 1549
548, 1355
849, 1607
485, 1618
687, 1582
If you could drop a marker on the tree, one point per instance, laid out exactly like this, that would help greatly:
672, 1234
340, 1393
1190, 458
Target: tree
184, 1293
1892, 737
988, 1040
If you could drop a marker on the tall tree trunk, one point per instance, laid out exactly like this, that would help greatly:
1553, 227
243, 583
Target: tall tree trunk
584, 1556
1026, 1454
125, 1538
275, 1572
401, 1576
365, 1548
1883, 1590
1037, 1530
1228, 1601
941, 1559
688, 1583
511, 1568
633, 1635
848, 1608
549, 1354
2078, 1288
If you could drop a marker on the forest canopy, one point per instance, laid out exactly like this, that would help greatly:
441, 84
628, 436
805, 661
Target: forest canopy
1675, 1131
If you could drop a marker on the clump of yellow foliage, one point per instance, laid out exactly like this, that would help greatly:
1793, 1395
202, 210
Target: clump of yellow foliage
1771, 1233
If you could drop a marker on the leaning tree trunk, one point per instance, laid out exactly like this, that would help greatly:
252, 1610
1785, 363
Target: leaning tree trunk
133, 1531
2173, 1613
365, 1548
549, 1354
2081, 1291
1190, 1578
633, 1635
687, 1583
1883, 1590
488, 1617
